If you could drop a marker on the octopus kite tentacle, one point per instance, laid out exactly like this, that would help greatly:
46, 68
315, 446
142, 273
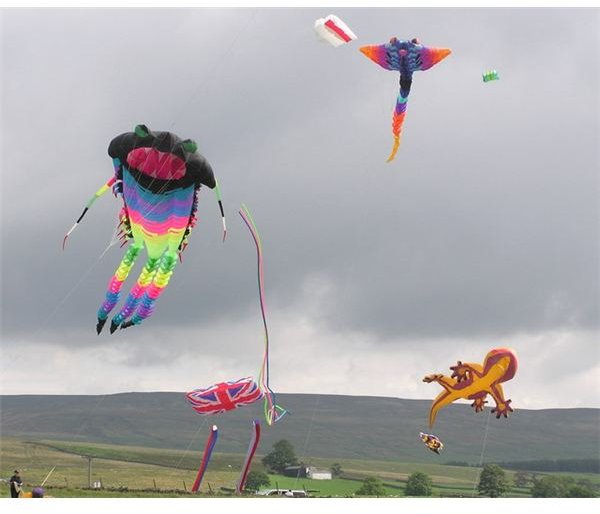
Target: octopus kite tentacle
116, 283
88, 206
136, 293
154, 290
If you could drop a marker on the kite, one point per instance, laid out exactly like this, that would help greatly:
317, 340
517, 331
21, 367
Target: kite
472, 381
224, 396
208, 449
432, 442
333, 31
273, 412
158, 176
254, 440
490, 75
405, 57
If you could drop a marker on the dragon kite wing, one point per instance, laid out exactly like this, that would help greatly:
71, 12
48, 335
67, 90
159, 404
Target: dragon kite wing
405, 57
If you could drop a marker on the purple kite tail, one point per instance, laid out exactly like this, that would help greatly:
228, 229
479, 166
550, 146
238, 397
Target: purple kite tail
254, 440
208, 448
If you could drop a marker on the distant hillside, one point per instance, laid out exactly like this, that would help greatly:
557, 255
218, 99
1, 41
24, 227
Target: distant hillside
318, 425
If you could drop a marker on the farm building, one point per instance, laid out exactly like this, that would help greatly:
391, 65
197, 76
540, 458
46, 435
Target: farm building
307, 472
318, 474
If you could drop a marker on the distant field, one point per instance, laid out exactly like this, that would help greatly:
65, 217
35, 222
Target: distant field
128, 471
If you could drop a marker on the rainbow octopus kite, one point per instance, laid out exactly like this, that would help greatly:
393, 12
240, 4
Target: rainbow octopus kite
405, 57
158, 176
474, 381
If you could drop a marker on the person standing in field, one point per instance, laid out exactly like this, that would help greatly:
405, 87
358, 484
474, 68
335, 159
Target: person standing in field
15, 485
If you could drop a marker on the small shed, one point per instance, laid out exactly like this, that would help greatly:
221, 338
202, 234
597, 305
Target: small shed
318, 474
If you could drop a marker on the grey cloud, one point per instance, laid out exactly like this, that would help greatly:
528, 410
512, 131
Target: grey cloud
485, 226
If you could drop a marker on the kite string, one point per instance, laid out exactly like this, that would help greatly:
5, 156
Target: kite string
97, 404
308, 434
213, 70
483, 448
59, 304
200, 427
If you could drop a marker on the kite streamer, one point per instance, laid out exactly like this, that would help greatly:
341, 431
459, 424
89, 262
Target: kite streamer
208, 448
254, 440
273, 412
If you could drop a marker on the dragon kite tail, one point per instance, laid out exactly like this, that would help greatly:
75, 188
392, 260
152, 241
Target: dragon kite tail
397, 122
154, 290
115, 284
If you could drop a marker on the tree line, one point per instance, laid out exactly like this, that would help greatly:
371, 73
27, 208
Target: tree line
493, 480
563, 465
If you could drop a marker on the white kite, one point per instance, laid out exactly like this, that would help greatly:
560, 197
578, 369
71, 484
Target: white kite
334, 31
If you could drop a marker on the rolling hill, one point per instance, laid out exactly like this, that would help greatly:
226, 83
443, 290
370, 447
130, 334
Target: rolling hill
333, 426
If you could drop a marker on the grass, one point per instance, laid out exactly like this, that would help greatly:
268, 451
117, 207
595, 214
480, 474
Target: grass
129, 471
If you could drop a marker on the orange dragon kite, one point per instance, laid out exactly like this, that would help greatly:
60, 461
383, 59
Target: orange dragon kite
472, 381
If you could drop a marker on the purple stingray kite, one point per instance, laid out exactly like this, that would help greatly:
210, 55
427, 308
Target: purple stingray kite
405, 57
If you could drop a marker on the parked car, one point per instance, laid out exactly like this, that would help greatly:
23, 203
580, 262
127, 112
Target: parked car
289, 493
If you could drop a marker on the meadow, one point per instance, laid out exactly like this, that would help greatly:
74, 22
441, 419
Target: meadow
130, 471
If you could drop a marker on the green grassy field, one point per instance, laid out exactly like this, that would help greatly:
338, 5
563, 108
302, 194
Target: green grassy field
129, 471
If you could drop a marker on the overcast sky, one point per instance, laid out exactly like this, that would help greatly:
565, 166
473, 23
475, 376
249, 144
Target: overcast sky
482, 233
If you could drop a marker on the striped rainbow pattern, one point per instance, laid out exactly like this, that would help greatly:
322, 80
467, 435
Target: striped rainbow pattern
160, 220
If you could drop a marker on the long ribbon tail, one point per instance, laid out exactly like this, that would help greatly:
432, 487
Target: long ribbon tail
273, 412
218, 195
398, 120
254, 440
97, 195
208, 448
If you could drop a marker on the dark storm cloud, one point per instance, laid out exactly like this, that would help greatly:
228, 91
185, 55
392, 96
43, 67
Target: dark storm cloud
486, 223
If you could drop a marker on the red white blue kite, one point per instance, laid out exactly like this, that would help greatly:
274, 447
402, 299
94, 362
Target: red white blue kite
224, 396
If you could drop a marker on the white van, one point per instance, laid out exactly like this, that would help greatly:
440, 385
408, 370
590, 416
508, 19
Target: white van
288, 493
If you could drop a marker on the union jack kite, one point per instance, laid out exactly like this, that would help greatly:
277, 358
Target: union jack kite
224, 396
